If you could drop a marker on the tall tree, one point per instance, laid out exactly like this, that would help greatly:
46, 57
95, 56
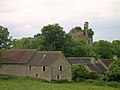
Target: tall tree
27, 43
5, 39
103, 48
53, 37
116, 47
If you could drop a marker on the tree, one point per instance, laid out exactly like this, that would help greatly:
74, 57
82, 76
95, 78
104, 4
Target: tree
103, 49
79, 72
5, 40
113, 73
27, 43
53, 37
116, 47
90, 33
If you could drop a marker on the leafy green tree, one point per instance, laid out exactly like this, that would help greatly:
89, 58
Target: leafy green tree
116, 47
38, 35
75, 49
79, 72
103, 49
27, 43
90, 33
113, 73
5, 40
92, 53
53, 37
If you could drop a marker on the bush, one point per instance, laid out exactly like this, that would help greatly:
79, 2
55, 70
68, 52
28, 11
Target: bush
79, 72
92, 75
113, 73
60, 81
7, 77
113, 84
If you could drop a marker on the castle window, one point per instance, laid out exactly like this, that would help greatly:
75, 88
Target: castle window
60, 68
43, 68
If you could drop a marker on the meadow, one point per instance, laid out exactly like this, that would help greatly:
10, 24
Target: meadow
13, 83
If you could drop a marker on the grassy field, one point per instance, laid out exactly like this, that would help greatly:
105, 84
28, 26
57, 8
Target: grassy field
30, 84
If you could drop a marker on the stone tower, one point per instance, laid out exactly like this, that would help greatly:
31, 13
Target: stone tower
85, 35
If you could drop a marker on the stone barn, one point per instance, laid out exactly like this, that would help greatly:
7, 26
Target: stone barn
48, 65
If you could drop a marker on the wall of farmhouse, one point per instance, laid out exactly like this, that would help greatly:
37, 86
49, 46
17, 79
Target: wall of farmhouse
37, 72
65, 73
12, 69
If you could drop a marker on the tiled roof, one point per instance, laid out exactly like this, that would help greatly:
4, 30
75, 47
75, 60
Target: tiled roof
92, 67
30, 57
18, 56
79, 60
107, 62
100, 68
97, 67
44, 58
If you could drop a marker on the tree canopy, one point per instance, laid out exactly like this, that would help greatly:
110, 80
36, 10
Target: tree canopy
113, 73
54, 38
5, 39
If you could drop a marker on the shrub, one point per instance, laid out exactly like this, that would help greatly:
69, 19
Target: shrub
79, 72
113, 73
92, 75
7, 77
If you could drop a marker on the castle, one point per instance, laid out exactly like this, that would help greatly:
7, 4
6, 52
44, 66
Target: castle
85, 35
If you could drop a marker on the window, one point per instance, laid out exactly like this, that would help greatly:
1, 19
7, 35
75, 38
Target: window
29, 68
60, 68
58, 77
43, 68
36, 75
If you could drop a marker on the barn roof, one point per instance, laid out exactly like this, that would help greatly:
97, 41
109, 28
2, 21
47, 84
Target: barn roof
29, 57
100, 68
44, 58
107, 62
18, 56
96, 67
79, 60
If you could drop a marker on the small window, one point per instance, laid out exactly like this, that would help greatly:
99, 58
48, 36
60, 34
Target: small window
60, 68
30, 68
36, 75
43, 68
58, 77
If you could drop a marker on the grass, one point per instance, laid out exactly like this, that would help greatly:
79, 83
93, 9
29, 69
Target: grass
19, 83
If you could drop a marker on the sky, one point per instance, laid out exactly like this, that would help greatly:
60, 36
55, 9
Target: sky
25, 18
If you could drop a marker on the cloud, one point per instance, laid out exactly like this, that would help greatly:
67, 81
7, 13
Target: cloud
23, 16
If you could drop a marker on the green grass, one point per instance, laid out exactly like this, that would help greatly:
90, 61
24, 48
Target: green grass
32, 84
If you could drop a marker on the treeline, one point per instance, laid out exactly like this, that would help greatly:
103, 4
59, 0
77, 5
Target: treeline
54, 38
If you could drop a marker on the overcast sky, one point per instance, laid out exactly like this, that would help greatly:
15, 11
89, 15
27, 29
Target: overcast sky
25, 18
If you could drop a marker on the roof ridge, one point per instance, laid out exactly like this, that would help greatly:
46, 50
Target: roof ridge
21, 49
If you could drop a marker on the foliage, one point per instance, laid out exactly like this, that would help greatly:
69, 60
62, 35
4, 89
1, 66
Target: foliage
75, 49
27, 43
1, 56
53, 37
76, 29
21, 83
116, 47
113, 73
5, 40
92, 75
103, 48
79, 72
90, 33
